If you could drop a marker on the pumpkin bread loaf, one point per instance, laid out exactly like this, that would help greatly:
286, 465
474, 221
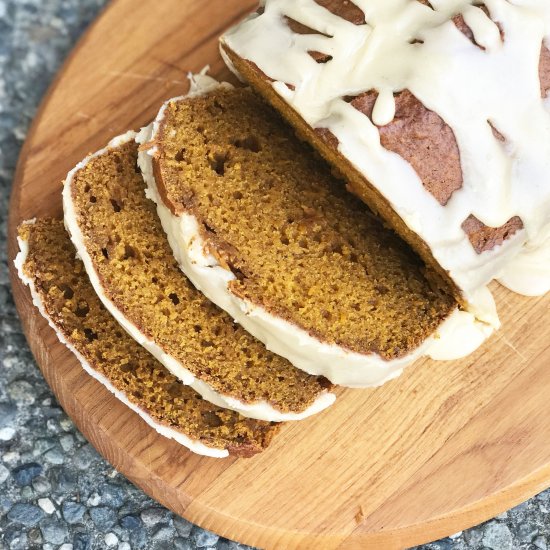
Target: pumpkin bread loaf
408, 104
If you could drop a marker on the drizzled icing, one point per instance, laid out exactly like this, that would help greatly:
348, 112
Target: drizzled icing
481, 90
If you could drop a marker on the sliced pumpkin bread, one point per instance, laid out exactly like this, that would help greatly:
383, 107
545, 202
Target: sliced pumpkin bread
63, 293
118, 235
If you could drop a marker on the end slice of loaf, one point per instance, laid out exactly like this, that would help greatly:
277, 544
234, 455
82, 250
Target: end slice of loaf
118, 235
62, 292
260, 226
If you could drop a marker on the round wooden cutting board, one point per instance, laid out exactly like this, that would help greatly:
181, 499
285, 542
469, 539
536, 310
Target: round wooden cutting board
442, 448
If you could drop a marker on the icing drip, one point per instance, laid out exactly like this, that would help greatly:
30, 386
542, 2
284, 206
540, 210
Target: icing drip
384, 108
476, 67
486, 34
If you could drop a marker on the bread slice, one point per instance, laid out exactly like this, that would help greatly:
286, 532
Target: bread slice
118, 235
63, 294
260, 226
408, 105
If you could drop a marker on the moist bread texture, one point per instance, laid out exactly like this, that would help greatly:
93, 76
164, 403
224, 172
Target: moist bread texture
71, 305
138, 274
299, 245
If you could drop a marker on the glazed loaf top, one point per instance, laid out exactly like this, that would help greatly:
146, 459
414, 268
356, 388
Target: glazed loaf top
440, 106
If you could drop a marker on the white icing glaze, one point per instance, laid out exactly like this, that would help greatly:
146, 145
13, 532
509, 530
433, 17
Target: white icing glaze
181, 438
261, 410
458, 336
529, 273
464, 84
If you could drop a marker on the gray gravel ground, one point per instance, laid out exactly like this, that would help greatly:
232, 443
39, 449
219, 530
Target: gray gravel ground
56, 492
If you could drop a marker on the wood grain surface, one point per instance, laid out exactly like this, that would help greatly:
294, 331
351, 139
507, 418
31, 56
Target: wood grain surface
442, 448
